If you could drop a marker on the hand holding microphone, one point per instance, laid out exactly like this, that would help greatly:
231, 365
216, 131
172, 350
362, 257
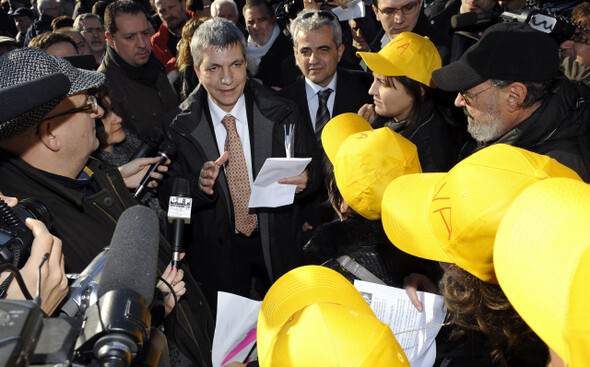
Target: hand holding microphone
165, 152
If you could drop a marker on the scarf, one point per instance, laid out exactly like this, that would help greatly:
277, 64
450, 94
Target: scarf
146, 74
256, 53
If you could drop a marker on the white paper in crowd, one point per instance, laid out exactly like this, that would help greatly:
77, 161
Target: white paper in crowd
355, 9
266, 191
393, 307
235, 329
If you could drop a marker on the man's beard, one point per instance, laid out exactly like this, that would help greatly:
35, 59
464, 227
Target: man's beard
489, 128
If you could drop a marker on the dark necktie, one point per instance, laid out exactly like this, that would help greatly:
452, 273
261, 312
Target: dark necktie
323, 115
237, 178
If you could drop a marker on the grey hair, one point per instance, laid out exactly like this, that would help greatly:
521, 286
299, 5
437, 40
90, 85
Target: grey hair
314, 22
79, 21
535, 91
218, 33
44, 4
215, 4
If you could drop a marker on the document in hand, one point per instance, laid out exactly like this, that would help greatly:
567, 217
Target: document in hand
266, 191
415, 331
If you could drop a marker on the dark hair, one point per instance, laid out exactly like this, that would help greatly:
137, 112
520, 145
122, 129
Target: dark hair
121, 7
48, 39
417, 91
100, 93
477, 306
252, 3
334, 195
99, 8
62, 21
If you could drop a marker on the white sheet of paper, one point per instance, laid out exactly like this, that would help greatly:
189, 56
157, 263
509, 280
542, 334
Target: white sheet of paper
266, 191
355, 9
393, 307
235, 328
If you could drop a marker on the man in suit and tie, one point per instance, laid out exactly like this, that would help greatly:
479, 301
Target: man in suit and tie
325, 91
224, 131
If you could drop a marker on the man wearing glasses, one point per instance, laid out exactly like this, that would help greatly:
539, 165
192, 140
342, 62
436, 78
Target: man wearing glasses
397, 16
45, 154
520, 97
91, 28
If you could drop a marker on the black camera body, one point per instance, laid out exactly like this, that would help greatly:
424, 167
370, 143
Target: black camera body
15, 237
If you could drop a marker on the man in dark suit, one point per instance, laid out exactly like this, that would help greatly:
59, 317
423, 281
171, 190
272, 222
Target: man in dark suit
224, 131
326, 90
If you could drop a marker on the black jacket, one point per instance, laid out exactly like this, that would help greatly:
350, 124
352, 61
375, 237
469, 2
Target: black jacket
85, 224
269, 69
558, 128
210, 236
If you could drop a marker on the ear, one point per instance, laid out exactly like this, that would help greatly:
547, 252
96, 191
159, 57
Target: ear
110, 39
340, 51
48, 137
516, 95
376, 12
197, 71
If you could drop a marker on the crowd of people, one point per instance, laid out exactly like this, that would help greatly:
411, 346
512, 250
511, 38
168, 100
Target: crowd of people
449, 160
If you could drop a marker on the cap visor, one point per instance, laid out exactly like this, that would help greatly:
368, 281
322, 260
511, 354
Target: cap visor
405, 217
456, 76
85, 80
379, 64
538, 246
338, 129
300, 288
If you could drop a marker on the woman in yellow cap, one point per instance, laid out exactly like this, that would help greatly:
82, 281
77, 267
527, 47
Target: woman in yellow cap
403, 98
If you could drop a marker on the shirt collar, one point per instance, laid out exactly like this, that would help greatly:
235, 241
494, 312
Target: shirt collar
312, 88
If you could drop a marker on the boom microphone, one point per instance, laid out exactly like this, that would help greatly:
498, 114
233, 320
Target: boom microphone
179, 214
149, 144
119, 324
166, 151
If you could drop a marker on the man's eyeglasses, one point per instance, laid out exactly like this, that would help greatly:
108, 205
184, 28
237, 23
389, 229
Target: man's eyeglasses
92, 106
468, 97
581, 37
407, 9
93, 30
322, 14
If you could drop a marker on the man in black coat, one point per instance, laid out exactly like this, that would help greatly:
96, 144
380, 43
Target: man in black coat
229, 245
318, 48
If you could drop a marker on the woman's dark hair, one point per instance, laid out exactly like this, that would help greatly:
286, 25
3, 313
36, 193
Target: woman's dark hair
477, 306
334, 195
100, 93
417, 91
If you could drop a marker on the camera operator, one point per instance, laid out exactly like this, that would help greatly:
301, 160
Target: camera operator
54, 284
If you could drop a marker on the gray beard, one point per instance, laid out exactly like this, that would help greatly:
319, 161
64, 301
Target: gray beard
491, 129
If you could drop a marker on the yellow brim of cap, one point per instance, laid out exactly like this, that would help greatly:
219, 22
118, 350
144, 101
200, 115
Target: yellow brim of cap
405, 217
538, 246
297, 289
339, 128
379, 64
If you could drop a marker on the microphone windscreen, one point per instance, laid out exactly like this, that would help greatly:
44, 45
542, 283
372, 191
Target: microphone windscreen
21, 98
464, 20
133, 254
154, 137
168, 148
181, 187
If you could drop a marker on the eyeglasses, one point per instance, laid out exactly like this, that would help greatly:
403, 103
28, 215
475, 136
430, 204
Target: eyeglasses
93, 106
407, 9
469, 96
581, 37
322, 14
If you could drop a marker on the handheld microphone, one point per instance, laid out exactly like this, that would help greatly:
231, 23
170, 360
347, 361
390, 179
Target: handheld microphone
149, 144
179, 214
166, 151
472, 18
119, 324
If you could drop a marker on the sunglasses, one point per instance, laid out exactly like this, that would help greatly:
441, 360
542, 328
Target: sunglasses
322, 14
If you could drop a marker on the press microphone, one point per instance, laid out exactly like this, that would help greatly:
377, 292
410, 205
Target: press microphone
179, 214
166, 151
472, 18
118, 325
21, 98
149, 144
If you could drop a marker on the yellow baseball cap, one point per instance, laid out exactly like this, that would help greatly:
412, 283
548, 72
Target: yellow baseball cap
312, 316
408, 54
453, 217
366, 160
542, 260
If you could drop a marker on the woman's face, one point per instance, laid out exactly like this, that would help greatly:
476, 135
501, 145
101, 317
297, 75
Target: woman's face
390, 101
113, 133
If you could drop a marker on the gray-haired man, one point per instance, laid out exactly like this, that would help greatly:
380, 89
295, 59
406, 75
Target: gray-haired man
229, 116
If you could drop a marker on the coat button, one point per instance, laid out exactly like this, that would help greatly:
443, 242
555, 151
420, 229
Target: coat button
108, 201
